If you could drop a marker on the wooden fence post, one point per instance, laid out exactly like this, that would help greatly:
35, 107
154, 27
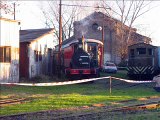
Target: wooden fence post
110, 90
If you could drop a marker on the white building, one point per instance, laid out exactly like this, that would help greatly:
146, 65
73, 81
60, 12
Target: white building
9, 50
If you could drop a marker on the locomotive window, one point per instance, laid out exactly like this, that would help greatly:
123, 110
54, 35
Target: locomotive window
141, 51
150, 52
92, 50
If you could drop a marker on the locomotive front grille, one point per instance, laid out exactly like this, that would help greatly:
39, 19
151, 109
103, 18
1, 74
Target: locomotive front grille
141, 70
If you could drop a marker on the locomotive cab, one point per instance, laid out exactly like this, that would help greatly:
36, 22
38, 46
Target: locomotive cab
82, 58
142, 61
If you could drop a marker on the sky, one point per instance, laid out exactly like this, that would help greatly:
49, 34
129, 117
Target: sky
29, 13
151, 23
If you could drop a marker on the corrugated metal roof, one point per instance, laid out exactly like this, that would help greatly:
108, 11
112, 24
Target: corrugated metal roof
32, 34
69, 40
72, 38
141, 43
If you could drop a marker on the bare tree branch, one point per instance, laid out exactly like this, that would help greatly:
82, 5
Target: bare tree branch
68, 17
128, 12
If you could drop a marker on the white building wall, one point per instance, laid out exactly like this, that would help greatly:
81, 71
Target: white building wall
9, 36
42, 44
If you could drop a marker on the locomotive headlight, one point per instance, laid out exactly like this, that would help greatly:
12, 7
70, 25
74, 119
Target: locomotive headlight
80, 59
80, 45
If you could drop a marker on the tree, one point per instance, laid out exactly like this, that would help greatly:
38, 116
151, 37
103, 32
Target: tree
69, 15
127, 12
6, 7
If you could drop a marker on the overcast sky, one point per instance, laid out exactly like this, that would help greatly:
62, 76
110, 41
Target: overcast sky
148, 24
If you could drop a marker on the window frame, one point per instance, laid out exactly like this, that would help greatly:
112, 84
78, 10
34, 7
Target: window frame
141, 51
5, 54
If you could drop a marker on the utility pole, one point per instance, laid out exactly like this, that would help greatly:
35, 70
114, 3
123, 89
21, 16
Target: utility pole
103, 39
60, 39
14, 10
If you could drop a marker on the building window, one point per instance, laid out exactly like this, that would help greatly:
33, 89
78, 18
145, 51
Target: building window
40, 56
36, 55
5, 54
95, 26
141, 51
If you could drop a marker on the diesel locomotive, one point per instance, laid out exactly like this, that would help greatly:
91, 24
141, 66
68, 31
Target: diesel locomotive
80, 58
143, 61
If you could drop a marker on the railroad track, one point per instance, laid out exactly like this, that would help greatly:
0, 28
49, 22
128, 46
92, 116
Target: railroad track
138, 107
152, 105
6, 102
92, 114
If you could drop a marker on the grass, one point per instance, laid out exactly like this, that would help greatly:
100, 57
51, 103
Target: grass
59, 97
119, 74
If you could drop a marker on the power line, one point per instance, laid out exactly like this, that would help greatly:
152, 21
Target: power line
85, 6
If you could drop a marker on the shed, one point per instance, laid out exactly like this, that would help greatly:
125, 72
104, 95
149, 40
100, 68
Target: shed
35, 52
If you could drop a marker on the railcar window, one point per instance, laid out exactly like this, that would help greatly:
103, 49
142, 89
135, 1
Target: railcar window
141, 51
132, 52
150, 51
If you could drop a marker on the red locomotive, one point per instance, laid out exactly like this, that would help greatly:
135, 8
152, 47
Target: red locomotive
80, 58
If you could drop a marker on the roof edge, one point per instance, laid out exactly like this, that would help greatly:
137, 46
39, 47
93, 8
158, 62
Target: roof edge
7, 19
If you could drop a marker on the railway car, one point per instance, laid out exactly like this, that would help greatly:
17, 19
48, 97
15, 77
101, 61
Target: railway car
81, 58
143, 61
